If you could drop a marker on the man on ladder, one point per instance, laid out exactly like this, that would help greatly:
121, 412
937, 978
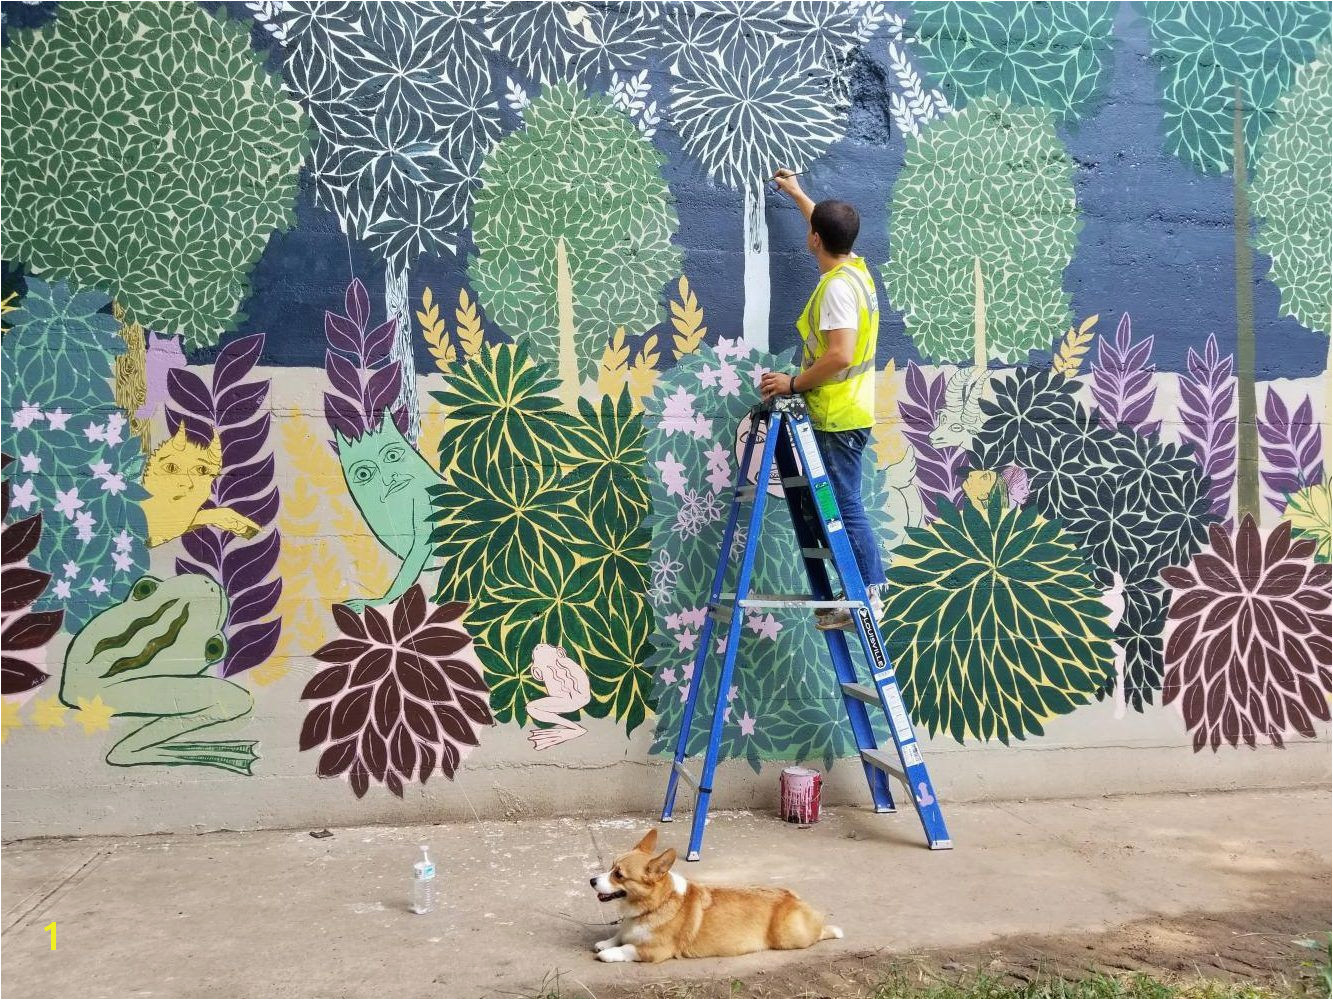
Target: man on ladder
839, 327
814, 427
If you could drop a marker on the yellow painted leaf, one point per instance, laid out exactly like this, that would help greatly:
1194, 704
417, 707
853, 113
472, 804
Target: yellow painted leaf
1069, 355
688, 319
470, 332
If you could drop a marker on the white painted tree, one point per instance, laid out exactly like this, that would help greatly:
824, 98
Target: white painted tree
402, 101
758, 86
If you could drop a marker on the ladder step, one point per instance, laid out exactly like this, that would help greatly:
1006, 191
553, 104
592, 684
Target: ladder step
720, 613
818, 552
690, 779
861, 692
795, 481
790, 601
745, 492
887, 763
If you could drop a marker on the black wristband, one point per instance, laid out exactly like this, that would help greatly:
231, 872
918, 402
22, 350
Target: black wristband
791, 385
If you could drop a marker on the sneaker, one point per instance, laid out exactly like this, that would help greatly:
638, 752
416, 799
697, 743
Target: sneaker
845, 619
833, 618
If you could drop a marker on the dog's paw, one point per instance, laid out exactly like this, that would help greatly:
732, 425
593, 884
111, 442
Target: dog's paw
603, 945
625, 953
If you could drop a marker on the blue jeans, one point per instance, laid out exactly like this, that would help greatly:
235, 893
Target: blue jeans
843, 451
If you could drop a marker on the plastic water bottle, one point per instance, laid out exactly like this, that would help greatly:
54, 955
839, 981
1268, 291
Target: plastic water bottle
423, 883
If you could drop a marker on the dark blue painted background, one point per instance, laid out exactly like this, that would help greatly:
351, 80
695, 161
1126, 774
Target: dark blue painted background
1157, 239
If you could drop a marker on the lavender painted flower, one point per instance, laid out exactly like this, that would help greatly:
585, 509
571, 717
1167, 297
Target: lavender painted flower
1292, 446
1208, 409
938, 469
1122, 381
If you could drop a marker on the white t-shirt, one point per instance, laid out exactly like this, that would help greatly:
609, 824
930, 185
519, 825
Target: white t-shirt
839, 309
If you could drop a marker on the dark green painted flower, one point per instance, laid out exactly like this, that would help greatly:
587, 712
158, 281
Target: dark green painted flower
995, 623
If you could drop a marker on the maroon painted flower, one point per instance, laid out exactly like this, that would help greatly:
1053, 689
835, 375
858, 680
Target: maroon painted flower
23, 633
403, 695
1248, 646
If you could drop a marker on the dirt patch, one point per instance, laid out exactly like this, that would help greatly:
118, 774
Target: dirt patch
1255, 949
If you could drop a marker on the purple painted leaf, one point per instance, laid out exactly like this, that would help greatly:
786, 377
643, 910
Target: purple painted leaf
343, 375
197, 429
381, 390
1292, 447
248, 566
1122, 381
1208, 401
190, 394
938, 469
254, 603
343, 416
357, 303
251, 646
342, 334
203, 547
240, 403
20, 538
378, 342
244, 481
261, 509
185, 567
400, 420
21, 587
235, 361
242, 443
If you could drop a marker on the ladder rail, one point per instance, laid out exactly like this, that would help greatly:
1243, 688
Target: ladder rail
705, 789
811, 542
872, 644
705, 639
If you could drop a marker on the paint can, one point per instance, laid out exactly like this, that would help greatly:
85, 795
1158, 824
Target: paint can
800, 795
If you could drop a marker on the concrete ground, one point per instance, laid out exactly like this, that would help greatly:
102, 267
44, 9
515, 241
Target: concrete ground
284, 914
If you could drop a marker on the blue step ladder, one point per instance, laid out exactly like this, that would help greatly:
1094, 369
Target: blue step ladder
788, 436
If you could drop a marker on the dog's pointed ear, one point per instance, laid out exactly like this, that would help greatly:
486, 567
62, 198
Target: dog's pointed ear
661, 864
649, 842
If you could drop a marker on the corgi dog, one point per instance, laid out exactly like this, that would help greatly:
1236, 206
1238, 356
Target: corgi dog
664, 916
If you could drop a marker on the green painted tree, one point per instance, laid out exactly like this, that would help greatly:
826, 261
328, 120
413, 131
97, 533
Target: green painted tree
573, 223
1052, 55
1293, 194
149, 153
982, 225
1224, 67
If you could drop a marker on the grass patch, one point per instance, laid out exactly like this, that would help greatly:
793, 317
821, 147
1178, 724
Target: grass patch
985, 986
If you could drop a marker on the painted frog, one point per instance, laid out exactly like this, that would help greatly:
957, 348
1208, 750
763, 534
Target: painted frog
149, 657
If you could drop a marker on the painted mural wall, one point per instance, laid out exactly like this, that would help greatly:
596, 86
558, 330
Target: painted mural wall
374, 378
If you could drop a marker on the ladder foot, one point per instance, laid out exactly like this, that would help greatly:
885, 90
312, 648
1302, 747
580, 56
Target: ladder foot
885, 809
668, 818
941, 845
692, 856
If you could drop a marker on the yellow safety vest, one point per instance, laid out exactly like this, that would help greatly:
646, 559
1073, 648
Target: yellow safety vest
848, 402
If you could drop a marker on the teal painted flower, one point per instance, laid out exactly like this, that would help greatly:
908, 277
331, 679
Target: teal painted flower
1053, 55
76, 462
1293, 194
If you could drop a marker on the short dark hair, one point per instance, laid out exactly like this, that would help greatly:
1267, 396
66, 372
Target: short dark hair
836, 223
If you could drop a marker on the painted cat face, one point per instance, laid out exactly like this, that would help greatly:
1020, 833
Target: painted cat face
387, 477
181, 470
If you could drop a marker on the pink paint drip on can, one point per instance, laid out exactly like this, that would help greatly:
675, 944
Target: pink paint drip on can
800, 795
